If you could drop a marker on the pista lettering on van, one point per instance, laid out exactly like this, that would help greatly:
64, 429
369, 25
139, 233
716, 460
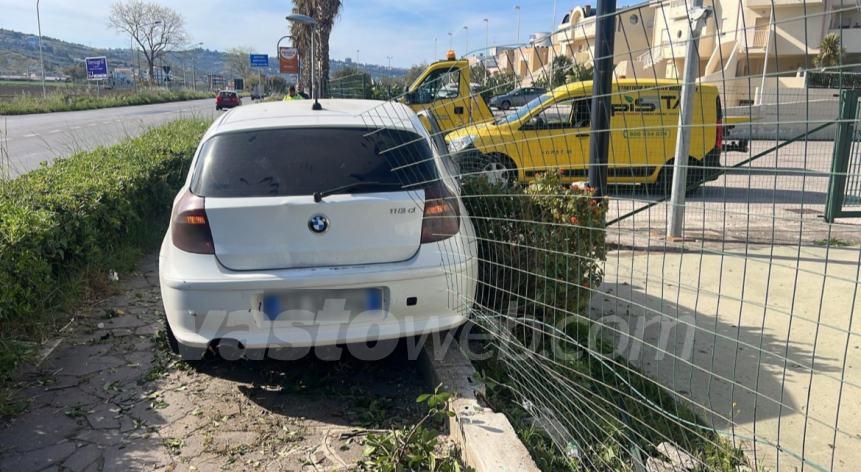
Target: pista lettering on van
648, 104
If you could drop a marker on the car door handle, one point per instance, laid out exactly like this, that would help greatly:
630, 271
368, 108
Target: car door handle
458, 110
581, 135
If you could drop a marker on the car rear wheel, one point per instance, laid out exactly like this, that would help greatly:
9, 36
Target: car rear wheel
505, 105
664, 185
187, 353
498, 170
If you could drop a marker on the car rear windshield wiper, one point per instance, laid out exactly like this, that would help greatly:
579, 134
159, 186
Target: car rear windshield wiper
319, 196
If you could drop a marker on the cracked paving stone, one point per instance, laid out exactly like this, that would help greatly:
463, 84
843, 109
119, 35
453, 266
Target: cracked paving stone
83, 360
104, 416
82, 458
103, 438
38, 459
37, 429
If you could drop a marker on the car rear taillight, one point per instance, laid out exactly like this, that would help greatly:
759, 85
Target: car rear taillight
190, 226
441, 215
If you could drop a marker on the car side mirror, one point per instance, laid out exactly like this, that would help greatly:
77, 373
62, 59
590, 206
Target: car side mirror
410, 98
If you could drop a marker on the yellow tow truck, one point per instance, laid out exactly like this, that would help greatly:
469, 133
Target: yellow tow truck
444, 89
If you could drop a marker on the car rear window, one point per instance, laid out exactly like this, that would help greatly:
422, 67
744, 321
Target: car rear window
302, 161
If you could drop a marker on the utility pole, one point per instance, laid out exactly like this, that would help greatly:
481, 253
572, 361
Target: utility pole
435, 50
676, 221
602, 87
466, 34
41, 58
450, 41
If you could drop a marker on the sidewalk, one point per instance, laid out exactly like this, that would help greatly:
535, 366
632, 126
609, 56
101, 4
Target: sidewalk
739, 350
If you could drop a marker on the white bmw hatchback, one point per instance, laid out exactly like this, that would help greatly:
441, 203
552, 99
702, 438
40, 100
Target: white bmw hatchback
300, 227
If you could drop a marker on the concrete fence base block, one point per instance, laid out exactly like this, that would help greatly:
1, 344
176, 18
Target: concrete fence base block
486, 439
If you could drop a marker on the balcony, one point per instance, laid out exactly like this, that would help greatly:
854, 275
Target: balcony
759, 40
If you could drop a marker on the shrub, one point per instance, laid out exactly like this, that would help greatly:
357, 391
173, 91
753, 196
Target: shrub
61, 101
539, 248
57, 223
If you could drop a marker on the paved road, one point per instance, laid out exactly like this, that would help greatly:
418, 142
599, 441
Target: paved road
31, 139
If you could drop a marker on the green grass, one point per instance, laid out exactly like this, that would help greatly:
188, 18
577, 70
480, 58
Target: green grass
63, 227
58, 101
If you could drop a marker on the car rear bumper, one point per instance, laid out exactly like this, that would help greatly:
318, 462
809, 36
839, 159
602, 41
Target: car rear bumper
205, 302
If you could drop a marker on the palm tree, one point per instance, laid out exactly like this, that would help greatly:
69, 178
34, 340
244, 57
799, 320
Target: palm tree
830, 51
325, 12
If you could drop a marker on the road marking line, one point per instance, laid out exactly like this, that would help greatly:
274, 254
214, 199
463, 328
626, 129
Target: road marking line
54, 131
31, 135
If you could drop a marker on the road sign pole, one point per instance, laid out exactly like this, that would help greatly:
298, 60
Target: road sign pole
676, 220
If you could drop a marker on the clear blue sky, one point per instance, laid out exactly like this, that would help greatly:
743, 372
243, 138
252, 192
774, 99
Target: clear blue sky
404, 29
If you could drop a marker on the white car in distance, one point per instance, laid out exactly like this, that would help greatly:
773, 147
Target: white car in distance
300, 227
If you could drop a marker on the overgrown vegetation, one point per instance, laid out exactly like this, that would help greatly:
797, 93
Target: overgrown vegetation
59, 101
63, 227
415, 447
574, 404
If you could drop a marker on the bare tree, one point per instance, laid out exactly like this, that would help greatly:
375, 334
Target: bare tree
238, 62
155, 28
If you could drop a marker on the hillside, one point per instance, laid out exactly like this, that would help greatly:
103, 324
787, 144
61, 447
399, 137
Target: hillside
19, 56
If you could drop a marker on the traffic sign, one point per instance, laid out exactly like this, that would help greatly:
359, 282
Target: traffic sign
97, 68
259, 60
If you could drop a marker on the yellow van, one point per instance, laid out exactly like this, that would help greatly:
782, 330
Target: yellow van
552, 132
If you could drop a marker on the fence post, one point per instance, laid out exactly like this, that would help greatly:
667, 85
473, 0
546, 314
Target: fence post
676, 221
602, 87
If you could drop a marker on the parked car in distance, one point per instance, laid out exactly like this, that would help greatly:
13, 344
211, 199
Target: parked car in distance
517, 97
227, 99
300, 228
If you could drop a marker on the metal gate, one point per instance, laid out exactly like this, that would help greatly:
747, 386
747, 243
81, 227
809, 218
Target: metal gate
844, 186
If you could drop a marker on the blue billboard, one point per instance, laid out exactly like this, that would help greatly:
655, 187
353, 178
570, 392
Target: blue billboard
97, 68
259, 60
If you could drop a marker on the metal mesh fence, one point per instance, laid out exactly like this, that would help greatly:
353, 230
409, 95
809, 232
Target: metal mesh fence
615, 346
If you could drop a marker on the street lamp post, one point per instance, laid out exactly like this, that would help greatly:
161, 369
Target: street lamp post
41, 58
466, 33
450, 41
486, 46
390, 62
435, 49
517, 9
307, 20
194, 67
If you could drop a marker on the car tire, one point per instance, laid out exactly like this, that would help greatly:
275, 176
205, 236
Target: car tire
187, 353
663, 186
496, 169
217, 108
505, 105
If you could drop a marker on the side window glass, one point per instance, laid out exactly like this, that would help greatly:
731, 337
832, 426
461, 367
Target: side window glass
581, 113
555, 116
438, 84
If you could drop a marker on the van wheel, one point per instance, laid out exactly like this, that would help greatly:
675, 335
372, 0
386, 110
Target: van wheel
664, 185
504, 106
498, 170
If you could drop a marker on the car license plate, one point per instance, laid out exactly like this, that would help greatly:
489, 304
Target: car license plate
321, 305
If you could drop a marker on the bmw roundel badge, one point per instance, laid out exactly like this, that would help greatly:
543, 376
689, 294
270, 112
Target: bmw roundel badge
318, 224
